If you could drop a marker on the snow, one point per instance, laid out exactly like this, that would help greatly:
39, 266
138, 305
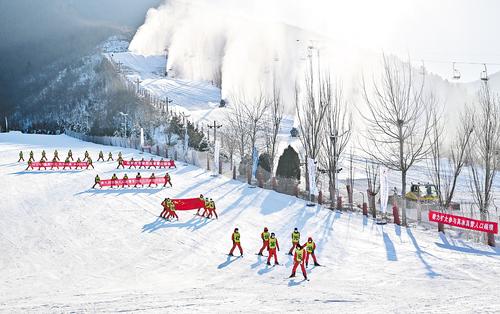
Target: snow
68, 248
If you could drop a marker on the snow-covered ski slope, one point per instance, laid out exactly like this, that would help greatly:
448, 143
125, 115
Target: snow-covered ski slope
67, 248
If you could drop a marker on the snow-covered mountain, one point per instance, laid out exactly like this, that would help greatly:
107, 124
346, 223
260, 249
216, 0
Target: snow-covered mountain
69, 248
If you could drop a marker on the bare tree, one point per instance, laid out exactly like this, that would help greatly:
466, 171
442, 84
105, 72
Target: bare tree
237, 126
339, 126
399, 120
273, 124
372, 171
483, 152
311, 113
250, 114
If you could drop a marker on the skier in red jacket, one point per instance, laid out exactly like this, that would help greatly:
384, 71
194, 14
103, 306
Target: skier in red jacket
235, 238
273, 245
310, 247
265, 241
298, 259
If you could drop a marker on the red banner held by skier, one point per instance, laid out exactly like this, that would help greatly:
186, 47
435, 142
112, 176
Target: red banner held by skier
57, 164
133, 182
188, 203
149, 163
464, 222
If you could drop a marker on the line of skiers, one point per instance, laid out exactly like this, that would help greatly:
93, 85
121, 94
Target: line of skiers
208, 209
69, 156
301, 252
138, 177
169, 210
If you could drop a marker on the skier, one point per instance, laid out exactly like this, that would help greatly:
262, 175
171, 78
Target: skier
54, 163
310, 247
32, 158
265, 241
142, 163
44, 156
273, 245
235, 237
201, 199
131, 163
89, 163
152, 179
66, 163
211, 209
114, 178
125, 181
42, 165
86, 155
120, 163
110, 157
70, 155
21, 156
167, 180
298, 259
138, 180
161, 163
77, 163
295, 240
30, 165
101, 156
152, 163
56, 155
172, 212
97, 181
172, 163
165, 205
119, 154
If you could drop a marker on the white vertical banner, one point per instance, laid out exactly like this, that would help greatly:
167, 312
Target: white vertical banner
186, 144
142, 137
255, 161
216, 157
311, 168
384, 188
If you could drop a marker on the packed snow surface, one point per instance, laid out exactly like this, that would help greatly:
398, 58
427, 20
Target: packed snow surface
68, 248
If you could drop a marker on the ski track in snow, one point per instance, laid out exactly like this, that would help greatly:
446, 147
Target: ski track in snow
68, 248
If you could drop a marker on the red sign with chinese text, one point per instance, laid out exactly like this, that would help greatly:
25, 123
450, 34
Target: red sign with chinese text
464, 222
149, 163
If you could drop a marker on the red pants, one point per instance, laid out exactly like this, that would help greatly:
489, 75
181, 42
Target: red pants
295, 265
313, 257
236, 244
172, 214
272, 252
265, 245
293, 247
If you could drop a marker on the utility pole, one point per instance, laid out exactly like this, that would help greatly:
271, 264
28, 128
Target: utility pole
167, 101
215, 127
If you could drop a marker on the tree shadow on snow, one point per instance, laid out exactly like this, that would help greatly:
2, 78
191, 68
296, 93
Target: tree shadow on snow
420, 254
160, 223
465, 248
227, 262
389, 248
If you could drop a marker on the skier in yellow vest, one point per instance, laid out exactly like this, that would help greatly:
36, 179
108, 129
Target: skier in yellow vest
56, 155
235, 238
204, 203
310, 247
86, 155
265, 240
125, 181
21, 156
298, 259
89, 163
70, 155
44, 156
114, 178
97, 181
273, 245
32, 158
101, 156
211, 209
295, 240
110, 156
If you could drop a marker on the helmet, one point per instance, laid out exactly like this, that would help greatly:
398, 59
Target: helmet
298, 247
265, 229
295, 229
309, 239
235, 229
201, 195
272, 234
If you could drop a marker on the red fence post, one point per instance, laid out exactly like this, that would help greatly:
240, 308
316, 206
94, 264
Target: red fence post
395, 213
